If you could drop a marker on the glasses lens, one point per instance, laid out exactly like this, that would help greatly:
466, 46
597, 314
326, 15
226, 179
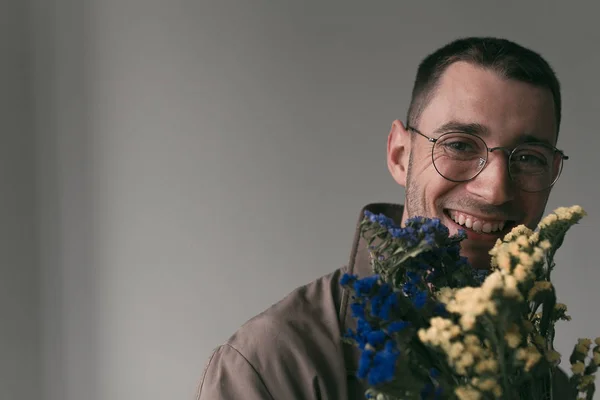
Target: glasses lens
535, 167
459, 156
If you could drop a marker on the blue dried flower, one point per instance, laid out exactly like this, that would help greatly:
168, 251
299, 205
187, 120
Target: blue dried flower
383, 364
347, 279
381, 220
420, 299
389, 304
375, 338
383, 302
440, 310
364, 364
358, 310
365, 285
397, 326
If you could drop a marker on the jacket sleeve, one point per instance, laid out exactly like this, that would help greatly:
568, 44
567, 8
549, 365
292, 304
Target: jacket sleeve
230, 376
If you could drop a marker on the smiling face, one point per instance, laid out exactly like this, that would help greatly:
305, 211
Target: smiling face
505, 113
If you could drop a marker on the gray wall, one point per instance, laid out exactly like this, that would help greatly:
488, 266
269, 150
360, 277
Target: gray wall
19, 273
196, 162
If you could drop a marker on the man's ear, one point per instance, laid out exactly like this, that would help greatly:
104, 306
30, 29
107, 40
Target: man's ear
398, 152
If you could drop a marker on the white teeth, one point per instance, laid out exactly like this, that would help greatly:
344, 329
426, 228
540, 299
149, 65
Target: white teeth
476, 225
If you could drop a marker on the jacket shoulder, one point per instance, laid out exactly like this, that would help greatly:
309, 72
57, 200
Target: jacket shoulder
304, 321
229, 375
291, 349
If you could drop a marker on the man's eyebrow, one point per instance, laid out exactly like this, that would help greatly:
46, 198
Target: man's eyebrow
482, 130
456, 126
534, 139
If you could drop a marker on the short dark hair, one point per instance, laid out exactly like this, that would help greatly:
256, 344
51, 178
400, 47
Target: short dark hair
502, 56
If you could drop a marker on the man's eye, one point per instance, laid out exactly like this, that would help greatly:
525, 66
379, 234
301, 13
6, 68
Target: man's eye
459, 146
531, 159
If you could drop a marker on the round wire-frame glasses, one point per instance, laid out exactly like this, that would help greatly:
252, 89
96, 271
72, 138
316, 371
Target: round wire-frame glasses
527, 180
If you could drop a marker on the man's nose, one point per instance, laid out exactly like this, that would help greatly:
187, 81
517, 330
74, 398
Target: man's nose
493, 184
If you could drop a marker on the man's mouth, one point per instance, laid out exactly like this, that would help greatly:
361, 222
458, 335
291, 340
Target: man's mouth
480, 225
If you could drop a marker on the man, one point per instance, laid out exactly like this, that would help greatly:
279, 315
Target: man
477, 151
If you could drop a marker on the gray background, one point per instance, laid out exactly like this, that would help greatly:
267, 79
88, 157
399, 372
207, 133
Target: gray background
170, 169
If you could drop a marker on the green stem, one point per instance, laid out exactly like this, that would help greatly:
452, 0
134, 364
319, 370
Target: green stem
497, 338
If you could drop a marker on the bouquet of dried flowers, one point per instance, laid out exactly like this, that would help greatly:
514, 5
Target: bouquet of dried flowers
429, 326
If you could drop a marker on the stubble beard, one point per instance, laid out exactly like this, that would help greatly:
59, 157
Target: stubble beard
415, 201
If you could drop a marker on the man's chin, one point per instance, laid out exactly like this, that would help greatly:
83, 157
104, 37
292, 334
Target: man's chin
478, 255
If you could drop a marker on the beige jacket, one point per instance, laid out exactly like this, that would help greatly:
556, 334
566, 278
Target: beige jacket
293, 350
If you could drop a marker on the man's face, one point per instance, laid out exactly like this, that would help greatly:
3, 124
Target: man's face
509, 112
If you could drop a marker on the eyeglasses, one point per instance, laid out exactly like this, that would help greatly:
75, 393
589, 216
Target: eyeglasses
461, 156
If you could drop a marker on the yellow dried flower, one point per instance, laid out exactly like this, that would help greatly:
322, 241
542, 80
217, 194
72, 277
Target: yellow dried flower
471, 340
503, 260
552, 356
530, 355
586, 381
548, 220
454, 331
520, 272
467, 322
440, 323
512, 336
477, 351
578, 210
466, 360
585, 342
513, 249
526, 259
497, 391
491, 308
539, 340
534, 238
560, 307
596, 359
487, 384
578, 368
492, 282
532, 360
494, 249
423, 337
513, 340
456, 350
538, 254
545, 244
581, 349
488, 365
510, 287
560, 310
445, 294
467, 393
522, 241
517, 231
597, 341
538, 287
